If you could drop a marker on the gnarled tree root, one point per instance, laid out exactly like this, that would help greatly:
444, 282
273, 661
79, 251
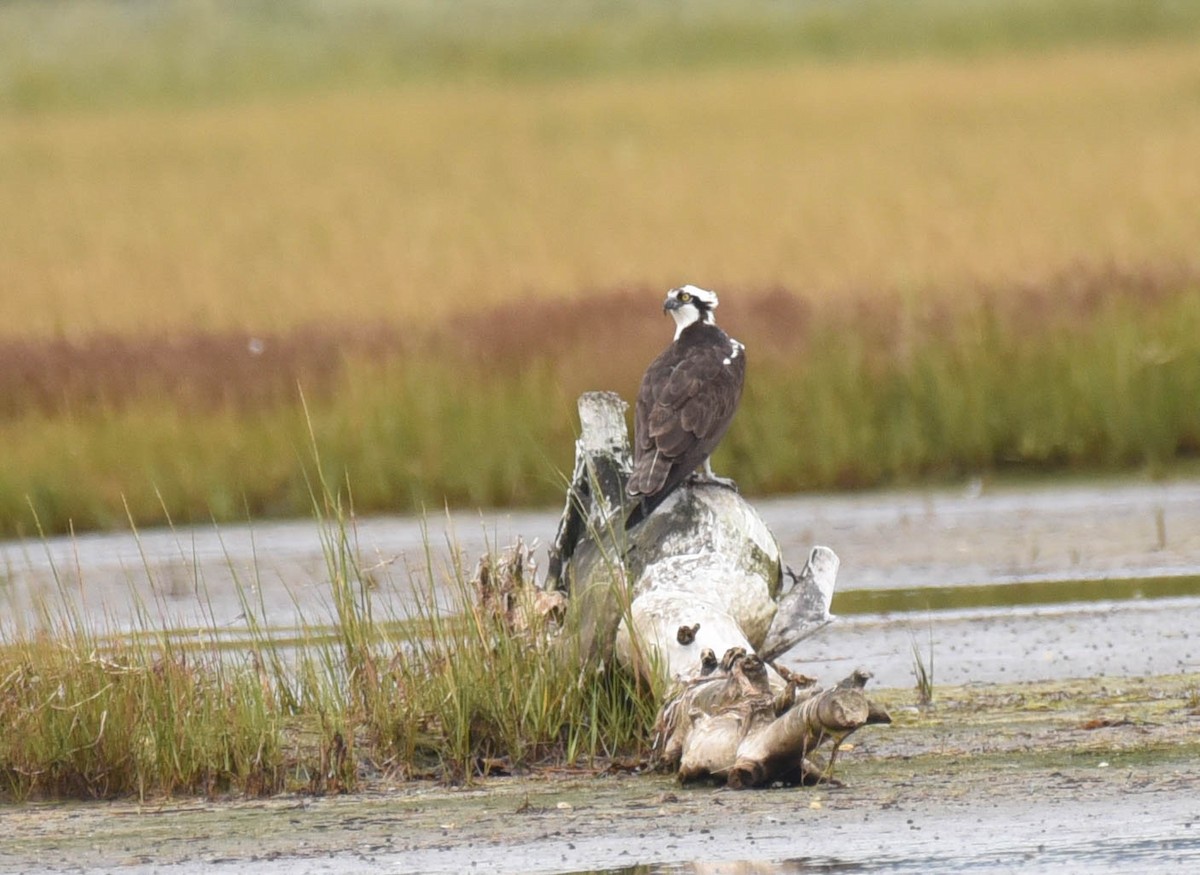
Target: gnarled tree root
730, 726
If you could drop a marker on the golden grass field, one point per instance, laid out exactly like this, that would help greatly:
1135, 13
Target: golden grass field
944, 262
400, 205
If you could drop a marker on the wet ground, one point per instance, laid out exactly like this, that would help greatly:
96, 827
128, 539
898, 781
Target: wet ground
1064, 777
1007, 593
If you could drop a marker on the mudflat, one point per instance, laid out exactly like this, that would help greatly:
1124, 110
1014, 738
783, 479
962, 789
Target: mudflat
1063, 775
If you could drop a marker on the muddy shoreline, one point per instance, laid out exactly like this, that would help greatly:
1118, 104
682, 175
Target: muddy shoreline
1036, 773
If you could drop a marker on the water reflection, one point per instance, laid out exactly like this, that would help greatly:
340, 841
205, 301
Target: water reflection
1041, 592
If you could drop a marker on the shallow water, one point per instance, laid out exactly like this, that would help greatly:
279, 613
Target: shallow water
1003, 595
1008, 584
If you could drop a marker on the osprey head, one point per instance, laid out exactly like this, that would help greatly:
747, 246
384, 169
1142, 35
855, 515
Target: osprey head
689, 304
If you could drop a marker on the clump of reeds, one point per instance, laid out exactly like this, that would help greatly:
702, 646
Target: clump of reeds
453, 691
86, 717
922, 666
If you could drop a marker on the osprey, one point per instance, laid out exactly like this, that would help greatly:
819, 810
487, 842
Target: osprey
686, 401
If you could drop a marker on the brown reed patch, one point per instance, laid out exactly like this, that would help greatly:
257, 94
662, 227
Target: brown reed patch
887, 325
202, 369
606, 337
596, 339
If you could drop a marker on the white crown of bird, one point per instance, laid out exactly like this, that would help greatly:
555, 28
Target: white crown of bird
708, 298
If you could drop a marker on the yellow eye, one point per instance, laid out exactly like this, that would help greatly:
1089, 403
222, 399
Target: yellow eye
686, 297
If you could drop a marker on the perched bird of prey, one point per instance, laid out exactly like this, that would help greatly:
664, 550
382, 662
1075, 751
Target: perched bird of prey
686, 402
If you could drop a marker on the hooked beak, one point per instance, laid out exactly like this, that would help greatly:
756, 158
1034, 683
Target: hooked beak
671, 304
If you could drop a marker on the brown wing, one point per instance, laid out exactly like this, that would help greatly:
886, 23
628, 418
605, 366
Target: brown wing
686, 402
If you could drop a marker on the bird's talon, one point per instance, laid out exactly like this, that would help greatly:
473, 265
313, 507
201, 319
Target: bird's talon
702, 479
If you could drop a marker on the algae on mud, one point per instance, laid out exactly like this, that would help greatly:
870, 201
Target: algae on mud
1064, 757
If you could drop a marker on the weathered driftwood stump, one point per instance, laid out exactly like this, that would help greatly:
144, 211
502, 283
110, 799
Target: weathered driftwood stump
731, 725
701, 577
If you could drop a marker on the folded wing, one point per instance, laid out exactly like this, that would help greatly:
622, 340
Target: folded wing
686, 402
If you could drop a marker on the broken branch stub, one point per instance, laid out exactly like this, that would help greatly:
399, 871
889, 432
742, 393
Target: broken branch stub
596, 494
805, 607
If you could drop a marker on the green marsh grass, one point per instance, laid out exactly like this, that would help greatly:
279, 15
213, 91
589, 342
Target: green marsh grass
1091, 373
922, 666
106, 52
450, 692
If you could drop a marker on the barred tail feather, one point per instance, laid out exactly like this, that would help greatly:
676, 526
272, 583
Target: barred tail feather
649, 475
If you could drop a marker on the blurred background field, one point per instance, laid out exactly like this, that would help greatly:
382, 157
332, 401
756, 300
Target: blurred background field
958, 238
